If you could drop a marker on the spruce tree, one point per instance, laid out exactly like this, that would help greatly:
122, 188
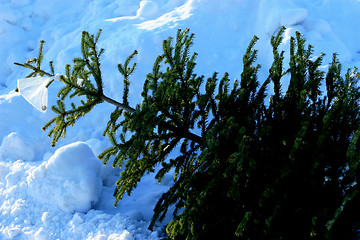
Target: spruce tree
248, 168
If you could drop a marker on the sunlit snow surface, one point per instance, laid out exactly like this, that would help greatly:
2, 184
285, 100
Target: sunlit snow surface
65, 192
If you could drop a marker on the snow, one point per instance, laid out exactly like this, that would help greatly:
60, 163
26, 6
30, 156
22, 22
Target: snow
65, 192
14, 147
70, 179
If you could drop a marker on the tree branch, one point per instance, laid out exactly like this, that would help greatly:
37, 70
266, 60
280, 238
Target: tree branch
38, 70
120, 105
178, 130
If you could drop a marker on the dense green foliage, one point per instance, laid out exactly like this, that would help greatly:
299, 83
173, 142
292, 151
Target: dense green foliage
249, 165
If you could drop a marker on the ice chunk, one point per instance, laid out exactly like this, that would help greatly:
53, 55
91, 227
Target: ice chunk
70, 179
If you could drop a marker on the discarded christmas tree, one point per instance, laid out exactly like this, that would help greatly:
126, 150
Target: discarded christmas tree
247, 168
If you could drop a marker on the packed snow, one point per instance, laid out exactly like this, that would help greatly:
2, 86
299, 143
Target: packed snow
65, 192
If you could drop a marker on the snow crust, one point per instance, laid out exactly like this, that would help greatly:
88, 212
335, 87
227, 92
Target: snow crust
65, 192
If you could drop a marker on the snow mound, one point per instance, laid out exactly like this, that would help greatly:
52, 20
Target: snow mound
70, 179
13, 147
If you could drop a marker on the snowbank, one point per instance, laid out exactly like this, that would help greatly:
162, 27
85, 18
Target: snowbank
55, 199
70, 179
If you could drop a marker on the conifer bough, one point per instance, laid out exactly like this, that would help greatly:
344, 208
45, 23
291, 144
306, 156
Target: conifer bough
245, 169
